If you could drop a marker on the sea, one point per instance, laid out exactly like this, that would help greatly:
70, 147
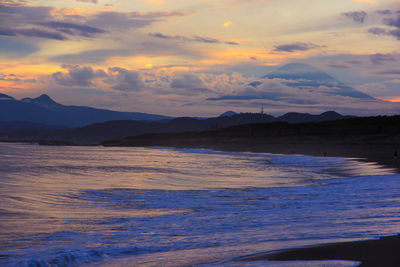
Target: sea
132, 206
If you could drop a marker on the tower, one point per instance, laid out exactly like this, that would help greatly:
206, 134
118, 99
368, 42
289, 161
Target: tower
262, 109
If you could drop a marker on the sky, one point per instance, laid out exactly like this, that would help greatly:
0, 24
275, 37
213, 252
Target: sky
173, 57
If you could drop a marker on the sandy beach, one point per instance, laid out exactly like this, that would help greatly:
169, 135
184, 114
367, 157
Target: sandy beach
371, 253
385, 154
381, 252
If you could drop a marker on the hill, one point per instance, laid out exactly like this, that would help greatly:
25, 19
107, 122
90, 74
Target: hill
98, 132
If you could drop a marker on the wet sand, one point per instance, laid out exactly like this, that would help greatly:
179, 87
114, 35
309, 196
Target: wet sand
382, 154
371, 253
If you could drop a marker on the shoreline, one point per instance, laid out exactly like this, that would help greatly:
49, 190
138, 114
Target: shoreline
379, 252
374, 252
381, 154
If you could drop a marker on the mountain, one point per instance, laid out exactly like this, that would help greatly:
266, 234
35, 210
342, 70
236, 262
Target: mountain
295, 117
301, 78
228, 113
43, 100
304, 75
44, 110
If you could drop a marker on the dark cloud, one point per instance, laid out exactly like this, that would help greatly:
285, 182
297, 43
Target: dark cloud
381, 58
19, 19
90, 56
392, 22
196, 38
128, 20
117, 78
73, 29
119, 20
202, 39
33, 32
337, 65
395, 33
354, 62
357, 16
189, 85
187, 81
388, 72
23, 20
124, 80
384, 12
232, 43
293, 47
19, 14
163, 36
77, 76
377, 31
12, 47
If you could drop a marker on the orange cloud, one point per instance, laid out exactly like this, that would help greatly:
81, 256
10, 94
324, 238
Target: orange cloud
394, 99
77, 11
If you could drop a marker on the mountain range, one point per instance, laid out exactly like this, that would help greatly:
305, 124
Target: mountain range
42, 118
117, 129
44, 110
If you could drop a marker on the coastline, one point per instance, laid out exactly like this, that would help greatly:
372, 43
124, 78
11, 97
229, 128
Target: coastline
382, 154
378, 251
371, 253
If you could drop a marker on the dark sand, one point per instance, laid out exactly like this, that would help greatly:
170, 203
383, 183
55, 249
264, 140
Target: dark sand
383, 252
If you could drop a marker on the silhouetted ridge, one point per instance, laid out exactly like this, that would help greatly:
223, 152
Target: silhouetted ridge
6, 97
44, 110
118, 129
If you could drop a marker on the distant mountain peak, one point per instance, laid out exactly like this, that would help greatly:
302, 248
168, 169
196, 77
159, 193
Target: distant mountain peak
300, 71
299, 67
44, 99
330, 112
303, 75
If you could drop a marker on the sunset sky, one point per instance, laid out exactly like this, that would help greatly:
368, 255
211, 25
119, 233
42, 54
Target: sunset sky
172, 56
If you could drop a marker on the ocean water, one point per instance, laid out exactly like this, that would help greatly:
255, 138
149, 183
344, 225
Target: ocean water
96, 206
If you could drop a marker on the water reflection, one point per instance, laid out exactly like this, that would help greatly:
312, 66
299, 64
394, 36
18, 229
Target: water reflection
95, 204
